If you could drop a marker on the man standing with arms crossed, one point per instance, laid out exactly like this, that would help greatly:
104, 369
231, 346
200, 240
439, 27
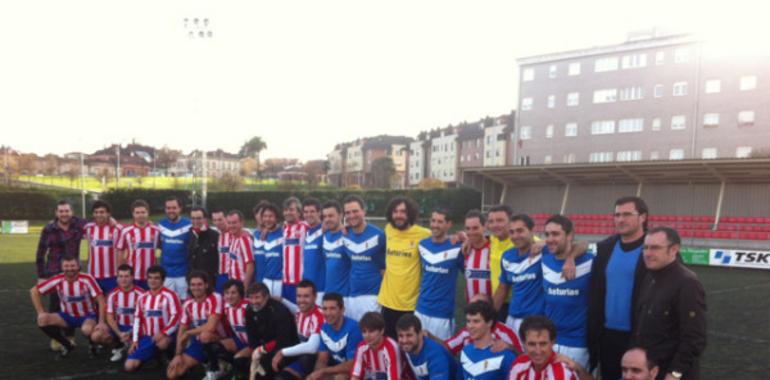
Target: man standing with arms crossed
313, 260
241, 256
337, 263
102, 237
138, 242
294, 233
174, 241
617, 274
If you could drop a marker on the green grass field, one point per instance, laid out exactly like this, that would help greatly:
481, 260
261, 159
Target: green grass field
95, 184
738, 311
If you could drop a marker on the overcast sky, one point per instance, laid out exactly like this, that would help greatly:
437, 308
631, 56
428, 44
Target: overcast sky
303, 75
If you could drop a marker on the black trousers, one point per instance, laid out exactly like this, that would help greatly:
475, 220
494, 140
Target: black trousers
612, 345
502, 314
391, 318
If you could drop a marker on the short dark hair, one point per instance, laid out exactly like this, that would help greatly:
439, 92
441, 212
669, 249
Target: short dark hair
310, 201
201, 209
233, 282
537, 323
173, 198
639, 204
336, 297
504, 208
290, 201
157, 269
101, 204
332, 204
307, 284
63, 202
258, 287
481, 307
201, 275
409, 321
524, 218
649, 360
475, 214
70, 257
140, 203
412, 210
126, 268
442, 211
563, 221
372, 321
671, 235
354, 198
236, 212
216, 210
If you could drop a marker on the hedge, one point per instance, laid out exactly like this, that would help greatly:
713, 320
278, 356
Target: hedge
35, 204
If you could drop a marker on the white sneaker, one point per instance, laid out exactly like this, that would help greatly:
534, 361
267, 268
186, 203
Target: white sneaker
117, 354
55, 345
212, 375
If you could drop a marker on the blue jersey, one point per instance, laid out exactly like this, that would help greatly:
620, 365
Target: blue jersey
273, 248
313, 267
259, 257
341, 345
566, 302
337, 264
367, 260
441, 262
434, 362
174, 239
483, 364
525, 277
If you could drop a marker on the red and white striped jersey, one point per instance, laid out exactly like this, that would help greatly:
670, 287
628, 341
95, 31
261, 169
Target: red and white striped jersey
157, 313
236, 320
241, 253
293, 247
310, 323
76, 297
102, 254
141, 243
477, 274
122, 304
197, 313
500, 331
523, 369
223, 247
382, 363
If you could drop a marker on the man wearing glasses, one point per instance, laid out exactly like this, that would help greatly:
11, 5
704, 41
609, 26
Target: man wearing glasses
614, 289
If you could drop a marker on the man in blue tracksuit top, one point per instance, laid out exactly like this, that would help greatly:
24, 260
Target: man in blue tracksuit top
313, 260
174, 240
428, 359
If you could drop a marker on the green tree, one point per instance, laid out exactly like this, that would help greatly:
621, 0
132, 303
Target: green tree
253, 147
383, 171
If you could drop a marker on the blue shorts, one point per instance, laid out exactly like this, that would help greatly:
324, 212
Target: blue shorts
142, 284
303, 365
289, 293
122, 328
145, 350
220, 282
75, 322
195, 350
238, 344
107, 284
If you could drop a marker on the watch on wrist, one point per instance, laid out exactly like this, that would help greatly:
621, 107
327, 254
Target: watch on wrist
676, 374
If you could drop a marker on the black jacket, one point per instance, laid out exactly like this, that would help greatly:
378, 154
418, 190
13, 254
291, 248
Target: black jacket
273, 326
204, 253
671, 319
598, 290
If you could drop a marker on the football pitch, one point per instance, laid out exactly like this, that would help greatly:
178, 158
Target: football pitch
738, 333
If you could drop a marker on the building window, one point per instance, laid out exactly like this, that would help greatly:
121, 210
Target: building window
633, 61
658, 91
680, 88
547, 159
526, 104
745, 118
678, 122
743, 152
631, 93
569, 158
654, 155
528, 75
552, 71
570, 129
549, 131
573, 99
711, 120
600, 157
676, 154
682, 55
574, 68
526, 133
655, 124
603, 127
606, 64
708, 153
748, 82
713, 86
630, 125
605, 96
660, 58
629, 155
551, 101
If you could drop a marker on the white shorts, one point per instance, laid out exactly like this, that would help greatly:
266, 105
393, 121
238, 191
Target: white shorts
360, 305
274, 286
348, 301
319, 299
177, 285
441, 328
578, 354
515, 325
